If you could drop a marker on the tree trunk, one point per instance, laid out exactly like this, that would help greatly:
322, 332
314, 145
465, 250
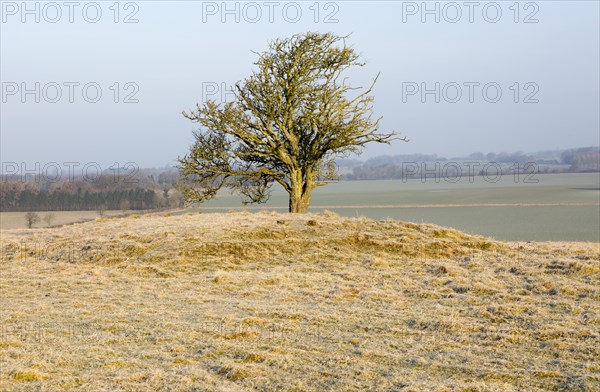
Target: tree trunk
299, 195
298, 201
294, 204
299, 204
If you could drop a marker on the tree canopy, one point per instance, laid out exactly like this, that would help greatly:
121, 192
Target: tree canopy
287, 123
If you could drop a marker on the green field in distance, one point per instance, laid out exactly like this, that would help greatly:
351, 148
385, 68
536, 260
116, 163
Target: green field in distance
558, 207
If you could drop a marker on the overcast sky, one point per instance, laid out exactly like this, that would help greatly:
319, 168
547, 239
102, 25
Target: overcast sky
176, 52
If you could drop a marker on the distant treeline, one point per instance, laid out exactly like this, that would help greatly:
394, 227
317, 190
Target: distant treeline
145, 189
142, 191
31, 200
418, 165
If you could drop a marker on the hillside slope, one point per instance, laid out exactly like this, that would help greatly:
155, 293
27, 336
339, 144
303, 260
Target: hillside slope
271, 301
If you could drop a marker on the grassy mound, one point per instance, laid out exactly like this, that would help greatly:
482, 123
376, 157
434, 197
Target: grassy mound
309, 302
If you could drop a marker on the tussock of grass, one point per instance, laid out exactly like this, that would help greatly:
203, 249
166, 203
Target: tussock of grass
242, 301
29, 375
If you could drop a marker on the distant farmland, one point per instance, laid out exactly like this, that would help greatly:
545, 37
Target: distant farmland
16, 220
558, 207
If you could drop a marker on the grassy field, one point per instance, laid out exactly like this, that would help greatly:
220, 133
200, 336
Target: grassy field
559, 207
16, 220
267, 301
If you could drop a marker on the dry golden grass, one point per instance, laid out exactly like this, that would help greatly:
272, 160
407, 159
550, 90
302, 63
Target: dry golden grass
269, 301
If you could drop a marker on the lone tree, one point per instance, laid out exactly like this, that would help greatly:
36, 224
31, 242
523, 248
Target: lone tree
49, 218
31, 218
287, 123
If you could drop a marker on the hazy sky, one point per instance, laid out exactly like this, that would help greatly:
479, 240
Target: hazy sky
178, 50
